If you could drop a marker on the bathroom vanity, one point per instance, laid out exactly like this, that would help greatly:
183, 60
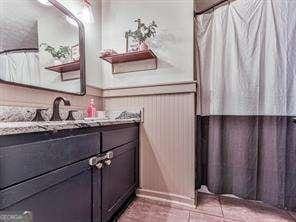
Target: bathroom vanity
60, 169
84, 174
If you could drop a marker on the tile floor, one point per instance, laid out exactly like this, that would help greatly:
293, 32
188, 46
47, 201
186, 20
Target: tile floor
211, 209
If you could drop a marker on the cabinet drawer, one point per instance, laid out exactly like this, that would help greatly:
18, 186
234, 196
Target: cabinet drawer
22, 162
115, 138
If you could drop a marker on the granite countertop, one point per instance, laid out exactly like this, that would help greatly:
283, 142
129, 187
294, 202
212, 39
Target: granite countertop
18, 120
10, 128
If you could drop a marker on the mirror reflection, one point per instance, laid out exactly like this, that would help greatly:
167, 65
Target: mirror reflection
39, 46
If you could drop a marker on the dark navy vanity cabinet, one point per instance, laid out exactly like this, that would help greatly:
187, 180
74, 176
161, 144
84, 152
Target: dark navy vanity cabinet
122, 175
79, 175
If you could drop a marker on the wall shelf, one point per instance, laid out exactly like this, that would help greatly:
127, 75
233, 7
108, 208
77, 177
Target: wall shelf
132, 61
64, 68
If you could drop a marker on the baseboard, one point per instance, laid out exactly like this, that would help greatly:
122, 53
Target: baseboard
167, 197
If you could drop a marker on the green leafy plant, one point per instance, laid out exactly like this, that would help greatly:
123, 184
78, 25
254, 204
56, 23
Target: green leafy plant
60, 52
143, 31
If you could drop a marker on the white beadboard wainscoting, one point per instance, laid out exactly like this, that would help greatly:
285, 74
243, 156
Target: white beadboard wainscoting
167, 142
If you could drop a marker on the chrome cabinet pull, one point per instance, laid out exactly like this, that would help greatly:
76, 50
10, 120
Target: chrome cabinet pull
99, 165
96, 161
108, 158
93, 161
108, 162
109, 155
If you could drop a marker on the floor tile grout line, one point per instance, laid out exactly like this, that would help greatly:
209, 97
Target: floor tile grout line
206, 213
293, 218
189, 216
220, 202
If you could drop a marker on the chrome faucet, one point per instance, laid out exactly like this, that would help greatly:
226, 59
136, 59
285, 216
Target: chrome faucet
56, 108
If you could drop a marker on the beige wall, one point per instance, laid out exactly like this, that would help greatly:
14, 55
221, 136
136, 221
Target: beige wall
23, 96
167, 144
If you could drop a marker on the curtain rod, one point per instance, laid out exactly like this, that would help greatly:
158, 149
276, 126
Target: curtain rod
207, 9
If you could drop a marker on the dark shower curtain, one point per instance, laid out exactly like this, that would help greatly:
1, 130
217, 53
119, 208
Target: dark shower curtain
251, 157
245, 63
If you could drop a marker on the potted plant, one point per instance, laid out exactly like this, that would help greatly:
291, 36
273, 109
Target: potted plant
59, 54
142, 33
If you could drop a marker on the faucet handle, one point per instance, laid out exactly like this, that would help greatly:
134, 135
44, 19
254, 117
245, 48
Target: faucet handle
67, 102
70, 115
38, 116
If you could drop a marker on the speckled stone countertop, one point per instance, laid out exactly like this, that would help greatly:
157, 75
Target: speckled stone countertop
10, 128
18, 121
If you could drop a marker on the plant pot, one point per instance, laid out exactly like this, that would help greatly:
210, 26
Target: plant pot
63, 60
57, 62
143, 46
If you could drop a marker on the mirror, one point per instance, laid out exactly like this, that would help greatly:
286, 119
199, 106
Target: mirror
41, 46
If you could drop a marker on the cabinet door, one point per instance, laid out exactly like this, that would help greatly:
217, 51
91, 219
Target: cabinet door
119, 179
59, 196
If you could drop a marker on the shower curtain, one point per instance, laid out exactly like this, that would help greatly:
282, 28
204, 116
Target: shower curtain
20, 67
246, 60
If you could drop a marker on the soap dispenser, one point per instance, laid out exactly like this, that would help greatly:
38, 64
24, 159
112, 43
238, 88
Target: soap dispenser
91, 109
